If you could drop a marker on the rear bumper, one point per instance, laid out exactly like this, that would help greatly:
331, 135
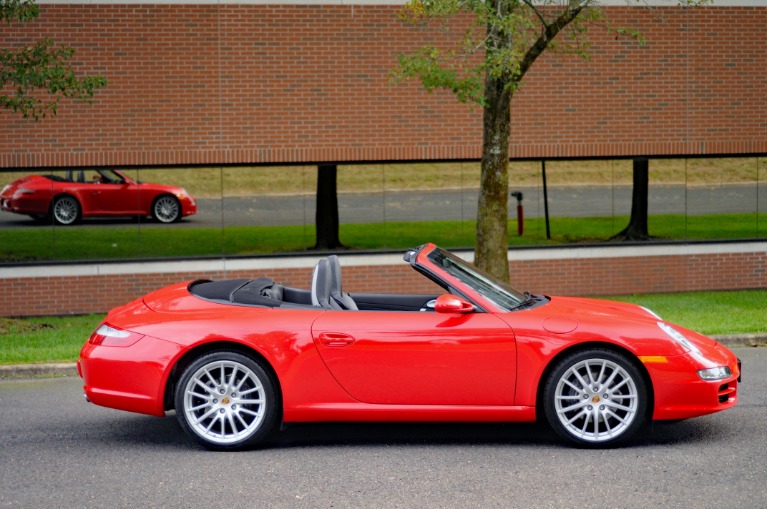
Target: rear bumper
23, 206
128, 378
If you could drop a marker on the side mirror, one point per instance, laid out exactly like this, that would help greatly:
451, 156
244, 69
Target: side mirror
451, 304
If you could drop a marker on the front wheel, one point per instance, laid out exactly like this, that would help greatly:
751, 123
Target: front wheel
226, 401
166, 209
596, 397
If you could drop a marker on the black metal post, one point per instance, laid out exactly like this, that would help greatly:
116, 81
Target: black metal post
545, 200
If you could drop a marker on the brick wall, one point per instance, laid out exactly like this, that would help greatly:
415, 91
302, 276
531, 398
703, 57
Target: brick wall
254, 83
602, 270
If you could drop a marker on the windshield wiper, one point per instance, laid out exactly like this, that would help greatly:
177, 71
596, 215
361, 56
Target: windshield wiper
530, 299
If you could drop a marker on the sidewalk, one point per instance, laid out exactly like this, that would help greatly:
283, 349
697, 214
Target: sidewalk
70, 368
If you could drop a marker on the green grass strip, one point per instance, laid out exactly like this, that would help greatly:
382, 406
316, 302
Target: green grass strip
130, 242
44, 339
59, 339
712, 313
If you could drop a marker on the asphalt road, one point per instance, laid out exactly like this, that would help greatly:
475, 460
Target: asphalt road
56, 450
452, 204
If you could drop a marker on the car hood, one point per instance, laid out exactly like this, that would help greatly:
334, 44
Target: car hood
162, 187
563, 315
597, 308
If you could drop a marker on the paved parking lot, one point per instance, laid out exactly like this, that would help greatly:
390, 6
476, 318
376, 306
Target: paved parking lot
59, 451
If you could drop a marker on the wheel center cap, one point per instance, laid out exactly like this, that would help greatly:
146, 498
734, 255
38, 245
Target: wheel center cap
596, 399
225, 401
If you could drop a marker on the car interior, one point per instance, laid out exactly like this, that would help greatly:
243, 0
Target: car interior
326, 293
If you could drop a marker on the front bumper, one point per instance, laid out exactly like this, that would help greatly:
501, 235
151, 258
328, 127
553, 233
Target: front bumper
681, 394
188, 206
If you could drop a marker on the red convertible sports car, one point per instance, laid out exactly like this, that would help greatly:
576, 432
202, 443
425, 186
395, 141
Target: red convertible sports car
237, 358
94, 193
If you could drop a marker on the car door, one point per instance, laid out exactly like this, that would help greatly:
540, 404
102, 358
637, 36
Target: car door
419, 358
114, 197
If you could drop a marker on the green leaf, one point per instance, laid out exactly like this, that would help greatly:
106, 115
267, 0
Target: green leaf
40, 74
18, 10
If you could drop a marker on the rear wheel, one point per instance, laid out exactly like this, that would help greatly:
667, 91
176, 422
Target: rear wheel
226, 401
65, 210
596, 397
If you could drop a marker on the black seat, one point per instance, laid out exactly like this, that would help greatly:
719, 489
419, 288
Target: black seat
252, 292
336, 292
321, 282
262, 291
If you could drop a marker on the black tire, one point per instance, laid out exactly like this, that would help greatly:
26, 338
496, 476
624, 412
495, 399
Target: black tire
226, 401
66, 210
595, 398
166, 209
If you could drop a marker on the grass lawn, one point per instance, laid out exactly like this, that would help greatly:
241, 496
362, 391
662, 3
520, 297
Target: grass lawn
44, 339
214, 182
48, 244
712, 313
59, 339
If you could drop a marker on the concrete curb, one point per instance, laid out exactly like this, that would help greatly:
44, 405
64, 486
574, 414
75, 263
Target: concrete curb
14, 371
742, 339
38, 370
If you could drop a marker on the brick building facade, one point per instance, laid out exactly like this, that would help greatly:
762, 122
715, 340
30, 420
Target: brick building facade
579, 270
253, 81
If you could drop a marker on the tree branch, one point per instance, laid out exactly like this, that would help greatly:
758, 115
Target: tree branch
549, 33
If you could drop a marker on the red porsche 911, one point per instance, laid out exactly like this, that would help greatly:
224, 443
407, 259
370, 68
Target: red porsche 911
236, 358
94, 193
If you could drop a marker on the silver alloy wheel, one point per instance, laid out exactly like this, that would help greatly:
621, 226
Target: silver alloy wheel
224, 402
66, 210
596, 400
166, 209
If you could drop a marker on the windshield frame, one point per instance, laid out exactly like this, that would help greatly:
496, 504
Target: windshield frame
504, 297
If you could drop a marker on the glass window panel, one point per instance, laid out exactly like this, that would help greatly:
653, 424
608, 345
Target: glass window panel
667, 198
722, 198
267, 209
249, 210
24, 238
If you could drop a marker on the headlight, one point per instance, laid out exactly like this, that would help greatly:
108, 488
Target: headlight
718, 373
21, 191
678, 337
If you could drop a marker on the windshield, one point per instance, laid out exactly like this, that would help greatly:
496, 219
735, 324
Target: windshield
501, 294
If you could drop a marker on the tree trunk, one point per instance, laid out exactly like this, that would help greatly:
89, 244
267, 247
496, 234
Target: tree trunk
491, 251
326, 214
637, 228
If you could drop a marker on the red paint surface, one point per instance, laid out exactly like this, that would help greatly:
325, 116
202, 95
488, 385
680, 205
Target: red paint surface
398, 365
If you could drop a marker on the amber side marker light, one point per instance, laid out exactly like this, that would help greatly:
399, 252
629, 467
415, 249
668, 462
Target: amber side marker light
653, 359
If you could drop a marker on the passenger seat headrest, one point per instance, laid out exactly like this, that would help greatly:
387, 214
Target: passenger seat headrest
321, 281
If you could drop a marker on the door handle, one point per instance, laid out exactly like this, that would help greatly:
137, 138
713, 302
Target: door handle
336, 339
